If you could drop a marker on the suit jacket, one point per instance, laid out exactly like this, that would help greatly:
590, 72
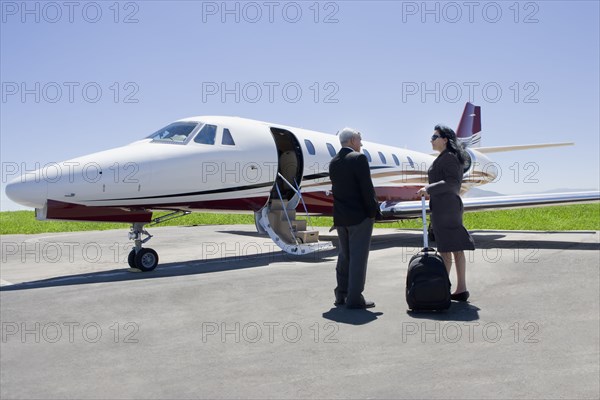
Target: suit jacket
445, 175
353, 193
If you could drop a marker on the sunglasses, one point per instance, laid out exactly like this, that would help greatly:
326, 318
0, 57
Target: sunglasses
435, 137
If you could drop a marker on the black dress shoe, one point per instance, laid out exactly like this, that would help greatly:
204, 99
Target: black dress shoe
463, 296
365, 304
339, 301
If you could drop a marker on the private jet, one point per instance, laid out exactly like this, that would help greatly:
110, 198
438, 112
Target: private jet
230, 163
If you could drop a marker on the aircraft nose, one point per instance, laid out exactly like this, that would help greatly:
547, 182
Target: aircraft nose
28, 192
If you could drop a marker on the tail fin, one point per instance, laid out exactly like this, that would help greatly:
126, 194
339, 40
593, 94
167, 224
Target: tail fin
469, 127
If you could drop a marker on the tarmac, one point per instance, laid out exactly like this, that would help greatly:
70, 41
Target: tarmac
227, 315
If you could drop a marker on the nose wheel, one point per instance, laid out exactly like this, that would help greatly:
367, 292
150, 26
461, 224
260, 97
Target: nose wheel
145, 259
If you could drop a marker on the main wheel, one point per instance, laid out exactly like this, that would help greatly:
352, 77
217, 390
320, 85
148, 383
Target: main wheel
146, 259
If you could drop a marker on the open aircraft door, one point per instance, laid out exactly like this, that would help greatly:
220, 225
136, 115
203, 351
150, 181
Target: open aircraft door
278, 217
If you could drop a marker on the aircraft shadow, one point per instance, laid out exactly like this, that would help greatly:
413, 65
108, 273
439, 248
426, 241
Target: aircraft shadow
483, 240
245, 233
167, 270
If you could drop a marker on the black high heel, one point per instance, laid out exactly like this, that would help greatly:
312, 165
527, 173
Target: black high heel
463, 296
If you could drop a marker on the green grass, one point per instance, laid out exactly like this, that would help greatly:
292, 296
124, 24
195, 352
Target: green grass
558, 218
16, 222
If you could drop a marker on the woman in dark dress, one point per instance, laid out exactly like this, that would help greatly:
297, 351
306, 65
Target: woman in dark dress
445, 178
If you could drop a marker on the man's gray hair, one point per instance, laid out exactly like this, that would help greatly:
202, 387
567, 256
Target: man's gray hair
346, 135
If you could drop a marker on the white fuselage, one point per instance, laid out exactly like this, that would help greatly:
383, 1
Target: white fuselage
161, 174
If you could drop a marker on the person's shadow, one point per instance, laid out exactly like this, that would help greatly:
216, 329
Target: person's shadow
352, 317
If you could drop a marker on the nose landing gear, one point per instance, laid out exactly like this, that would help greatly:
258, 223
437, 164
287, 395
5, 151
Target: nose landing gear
146, 259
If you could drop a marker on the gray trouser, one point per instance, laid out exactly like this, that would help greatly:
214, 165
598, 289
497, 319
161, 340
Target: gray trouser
351, 269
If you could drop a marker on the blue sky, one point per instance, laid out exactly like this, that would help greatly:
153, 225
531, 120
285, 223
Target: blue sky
80, 77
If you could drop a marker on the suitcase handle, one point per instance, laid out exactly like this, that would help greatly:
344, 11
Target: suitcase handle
424, 214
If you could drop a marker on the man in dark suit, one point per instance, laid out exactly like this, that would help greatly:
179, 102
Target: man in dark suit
354, 210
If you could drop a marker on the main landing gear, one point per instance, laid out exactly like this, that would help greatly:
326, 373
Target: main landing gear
146, 259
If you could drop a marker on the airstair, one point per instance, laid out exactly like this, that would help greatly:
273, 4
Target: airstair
278, 219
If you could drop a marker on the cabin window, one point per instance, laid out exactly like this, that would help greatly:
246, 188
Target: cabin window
310, 147
396, 161
206, 135
410, 161
227, 138
383, 160
176, 132
368, 155
331, 149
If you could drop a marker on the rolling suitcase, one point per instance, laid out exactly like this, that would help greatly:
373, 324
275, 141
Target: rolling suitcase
427, 282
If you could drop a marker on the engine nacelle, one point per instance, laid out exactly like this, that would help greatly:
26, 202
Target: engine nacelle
479, 170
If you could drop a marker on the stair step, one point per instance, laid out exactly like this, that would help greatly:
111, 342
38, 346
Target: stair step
299, 225
280, 215
308, 236
277, 205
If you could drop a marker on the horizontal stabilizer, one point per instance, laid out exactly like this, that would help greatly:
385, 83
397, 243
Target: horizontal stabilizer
412, 209
500, 149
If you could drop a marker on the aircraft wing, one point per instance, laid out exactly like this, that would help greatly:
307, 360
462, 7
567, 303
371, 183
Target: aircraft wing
499, 149
412, 209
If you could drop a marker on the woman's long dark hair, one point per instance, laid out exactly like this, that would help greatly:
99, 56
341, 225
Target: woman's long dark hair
453, 145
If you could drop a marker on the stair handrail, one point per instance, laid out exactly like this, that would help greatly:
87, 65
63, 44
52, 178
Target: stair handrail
285, 208
288, 183
304, 205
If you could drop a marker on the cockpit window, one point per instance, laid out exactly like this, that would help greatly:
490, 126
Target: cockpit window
176, 132
206, 135
227, 138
